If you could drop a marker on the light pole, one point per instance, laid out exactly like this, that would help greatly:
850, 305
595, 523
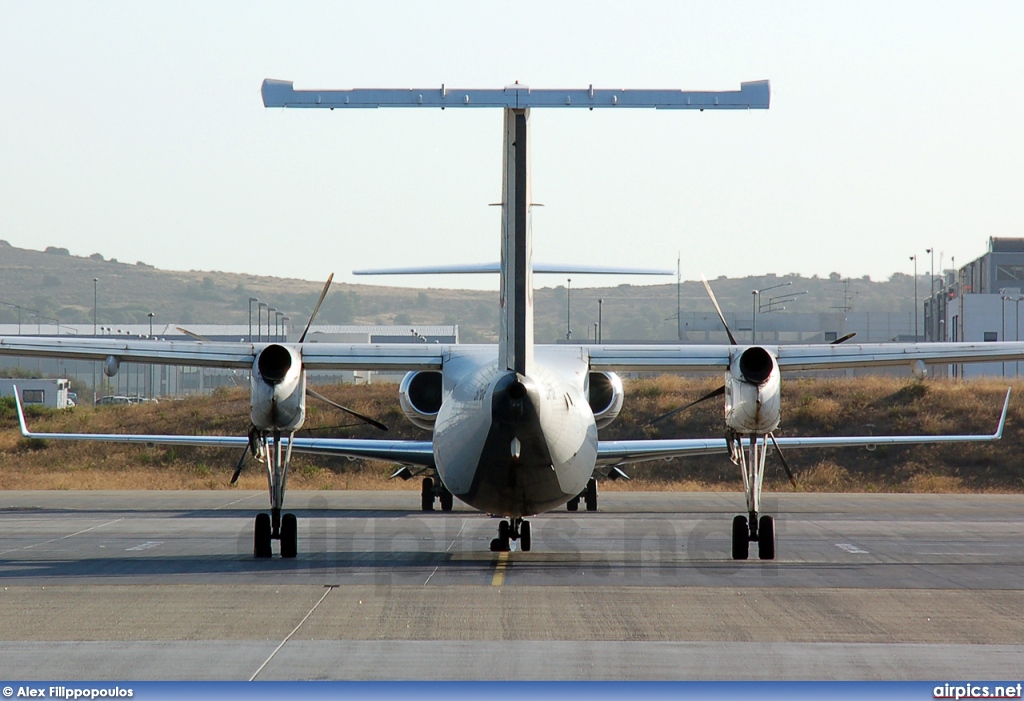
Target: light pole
150, 315
251, 300
753, 308
95, 302
914, 258
284, 328
568, 309
600, 323
270, 311
259, 320
278, 316
769, 306
933, 326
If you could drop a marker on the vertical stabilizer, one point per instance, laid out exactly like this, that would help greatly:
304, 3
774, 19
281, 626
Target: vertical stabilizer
515, 345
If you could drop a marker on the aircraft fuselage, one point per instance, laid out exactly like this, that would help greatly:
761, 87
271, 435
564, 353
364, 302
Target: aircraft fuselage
511, 444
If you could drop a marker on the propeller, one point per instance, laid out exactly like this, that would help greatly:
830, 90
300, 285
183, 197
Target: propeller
320, 301
718, 392
254, 447
843, 339
782, 459
350, 412
721, 316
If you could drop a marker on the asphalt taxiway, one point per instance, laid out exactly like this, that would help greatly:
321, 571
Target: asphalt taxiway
162, 585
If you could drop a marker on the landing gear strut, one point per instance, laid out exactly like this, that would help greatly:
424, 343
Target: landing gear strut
512, 529
588, 495
275, 526
431, 489
751, 528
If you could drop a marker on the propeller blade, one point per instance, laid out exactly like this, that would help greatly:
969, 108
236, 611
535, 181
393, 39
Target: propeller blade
367, 419
253, 447
714, 301
843, 339
320, 301
710, 395
782, 458
238, 467
192, 334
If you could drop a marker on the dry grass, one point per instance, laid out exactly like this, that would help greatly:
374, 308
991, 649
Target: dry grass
843, 406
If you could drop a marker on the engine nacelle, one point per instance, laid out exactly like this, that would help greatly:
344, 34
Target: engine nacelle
278, 389
420, 397
752, 392
605, 395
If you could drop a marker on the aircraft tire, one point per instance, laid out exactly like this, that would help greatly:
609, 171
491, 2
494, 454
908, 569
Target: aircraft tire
504, 531
740, 538
525, 540
590, 495
289, 536
427, 495
573, 504
447, 500
766, 538
261, 537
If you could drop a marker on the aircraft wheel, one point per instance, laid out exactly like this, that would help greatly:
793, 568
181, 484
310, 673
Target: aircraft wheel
590, 495
289, 536
766, 538
740, 538
261, 537
447, 500
524, 536
504, 534
427, 495
573, 504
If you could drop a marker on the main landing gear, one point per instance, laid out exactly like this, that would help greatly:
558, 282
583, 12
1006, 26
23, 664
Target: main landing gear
512, 529
751, 528
588, 495
433, 489
275, 526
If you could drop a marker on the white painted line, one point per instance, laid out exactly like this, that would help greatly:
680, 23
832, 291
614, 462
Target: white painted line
145, 546
852, 549
255, 674
63, 537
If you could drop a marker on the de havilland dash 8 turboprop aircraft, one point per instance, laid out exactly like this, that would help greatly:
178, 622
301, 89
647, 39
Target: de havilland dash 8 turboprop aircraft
515, 427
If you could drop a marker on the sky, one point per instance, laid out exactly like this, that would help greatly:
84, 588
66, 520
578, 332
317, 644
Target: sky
137, 131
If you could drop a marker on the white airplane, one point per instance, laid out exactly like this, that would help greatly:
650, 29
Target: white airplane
515, 427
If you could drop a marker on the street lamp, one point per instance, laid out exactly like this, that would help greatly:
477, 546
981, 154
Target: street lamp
284, 328
150, 315
271, 310
259, 320
932, 306
753, 307
95, 301
251, 300
600, 323
914, 258
568, 309
769, 306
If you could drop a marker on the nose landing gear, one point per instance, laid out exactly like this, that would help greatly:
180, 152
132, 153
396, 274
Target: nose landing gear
512, 529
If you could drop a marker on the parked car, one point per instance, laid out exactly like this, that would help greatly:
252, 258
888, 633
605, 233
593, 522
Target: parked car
113, 399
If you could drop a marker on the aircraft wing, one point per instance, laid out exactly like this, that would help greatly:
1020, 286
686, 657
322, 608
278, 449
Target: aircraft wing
816, 356
420, 453
315, 356
612, 453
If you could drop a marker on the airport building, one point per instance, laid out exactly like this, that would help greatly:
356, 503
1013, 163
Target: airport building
980, 302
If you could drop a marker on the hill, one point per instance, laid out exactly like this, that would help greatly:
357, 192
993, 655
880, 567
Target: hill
837, 406
60, 285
